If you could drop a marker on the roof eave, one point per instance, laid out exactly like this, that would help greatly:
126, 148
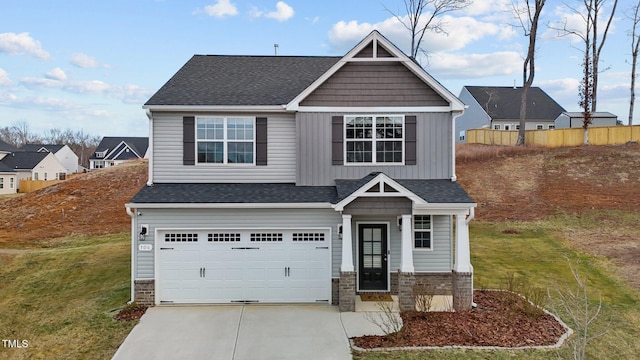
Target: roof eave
218, 108
299, 205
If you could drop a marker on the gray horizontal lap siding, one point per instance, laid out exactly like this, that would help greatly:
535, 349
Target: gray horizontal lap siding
232, 218
314, 163
168, 149
440, 258
374, 84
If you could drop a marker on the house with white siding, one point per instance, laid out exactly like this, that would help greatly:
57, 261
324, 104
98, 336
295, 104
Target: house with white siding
114, 150
299, 179
62, 152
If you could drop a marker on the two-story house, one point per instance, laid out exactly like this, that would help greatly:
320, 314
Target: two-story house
296, 179
62, 152
114, 150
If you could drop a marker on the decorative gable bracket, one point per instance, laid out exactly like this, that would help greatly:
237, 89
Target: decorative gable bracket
380, 186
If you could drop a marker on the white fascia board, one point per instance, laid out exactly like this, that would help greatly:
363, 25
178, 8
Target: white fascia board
218, 108
229, 205
442, 208
378, 109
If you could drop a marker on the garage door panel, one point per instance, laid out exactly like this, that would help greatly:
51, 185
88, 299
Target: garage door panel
245, 265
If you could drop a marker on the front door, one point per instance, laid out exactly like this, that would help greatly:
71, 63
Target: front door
372, 257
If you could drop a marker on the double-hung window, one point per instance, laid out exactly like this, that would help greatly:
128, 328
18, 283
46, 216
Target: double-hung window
225, 140
422, 238
374, 139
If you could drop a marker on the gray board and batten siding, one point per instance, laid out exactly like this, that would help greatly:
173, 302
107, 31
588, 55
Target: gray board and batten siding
168, 162
315, 166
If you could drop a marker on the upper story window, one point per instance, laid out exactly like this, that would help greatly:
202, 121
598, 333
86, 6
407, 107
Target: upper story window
225, 140
374, 139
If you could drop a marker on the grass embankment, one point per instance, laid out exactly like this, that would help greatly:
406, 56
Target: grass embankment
61, 298
535, 253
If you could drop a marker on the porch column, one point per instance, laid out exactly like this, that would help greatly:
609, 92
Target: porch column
406, 264
347, 246
463, 253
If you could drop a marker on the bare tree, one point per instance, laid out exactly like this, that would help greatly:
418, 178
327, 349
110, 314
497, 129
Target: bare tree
432, 21
589, 12
634, 15
528, 14
22, 134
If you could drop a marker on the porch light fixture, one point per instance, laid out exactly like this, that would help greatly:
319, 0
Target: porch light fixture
340, 231
143, 232
399, 222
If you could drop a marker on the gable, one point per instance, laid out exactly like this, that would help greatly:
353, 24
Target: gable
365, 83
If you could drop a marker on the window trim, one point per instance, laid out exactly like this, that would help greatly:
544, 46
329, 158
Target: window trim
373, 141
539, 127
497, 127
414, 230
225, 141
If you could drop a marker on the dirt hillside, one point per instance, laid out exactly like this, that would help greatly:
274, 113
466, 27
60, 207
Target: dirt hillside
90, 203
529, 184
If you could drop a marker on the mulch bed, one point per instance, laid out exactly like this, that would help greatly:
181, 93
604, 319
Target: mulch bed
131, 312
499, 320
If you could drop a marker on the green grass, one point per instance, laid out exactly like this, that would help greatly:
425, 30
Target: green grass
62, 299
536, 255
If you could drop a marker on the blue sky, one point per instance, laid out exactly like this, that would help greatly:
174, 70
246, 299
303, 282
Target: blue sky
90, 65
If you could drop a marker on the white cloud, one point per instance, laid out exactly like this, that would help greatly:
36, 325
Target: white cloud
313, 20
22, 44
4, 78
344, 35
56, 74
132, 94
467, 66
86, 62
282, 13
221, 9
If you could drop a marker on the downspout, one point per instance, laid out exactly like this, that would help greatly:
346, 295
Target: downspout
150, 149
130, 212
453, 139
472, 214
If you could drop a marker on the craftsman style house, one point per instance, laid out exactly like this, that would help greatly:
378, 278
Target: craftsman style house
291, 179
113, 151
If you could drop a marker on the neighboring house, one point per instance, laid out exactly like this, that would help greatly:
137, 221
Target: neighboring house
498, 108
6, 149
576, 119
8, 180
34, 165
115, 150
65, 155
295, 179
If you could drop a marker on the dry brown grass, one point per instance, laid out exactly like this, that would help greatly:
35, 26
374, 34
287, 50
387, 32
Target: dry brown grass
479, 152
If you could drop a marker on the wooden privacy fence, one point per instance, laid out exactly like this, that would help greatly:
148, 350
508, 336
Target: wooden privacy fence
606, 135
28, 185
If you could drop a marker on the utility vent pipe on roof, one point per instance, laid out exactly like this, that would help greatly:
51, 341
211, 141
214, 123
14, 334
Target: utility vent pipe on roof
275, 47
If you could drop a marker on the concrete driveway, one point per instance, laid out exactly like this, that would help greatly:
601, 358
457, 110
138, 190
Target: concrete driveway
243, 332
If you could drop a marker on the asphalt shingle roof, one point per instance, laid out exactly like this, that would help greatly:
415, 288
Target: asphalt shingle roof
6, 147
234, 193
503, 102
241, 80
23, 160
5, 169
432, 191
54, 148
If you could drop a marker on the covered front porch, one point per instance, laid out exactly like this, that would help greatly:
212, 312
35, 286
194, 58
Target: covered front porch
394, 241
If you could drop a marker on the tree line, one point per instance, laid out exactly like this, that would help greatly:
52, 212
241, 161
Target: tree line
81, 143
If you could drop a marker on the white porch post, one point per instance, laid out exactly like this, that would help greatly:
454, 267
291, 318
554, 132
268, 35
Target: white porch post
463, 253
406, 265
347, 246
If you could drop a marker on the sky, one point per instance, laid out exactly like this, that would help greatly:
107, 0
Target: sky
90, 65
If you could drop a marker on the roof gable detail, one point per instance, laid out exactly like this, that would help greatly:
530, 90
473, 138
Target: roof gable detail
376, 75
380, 186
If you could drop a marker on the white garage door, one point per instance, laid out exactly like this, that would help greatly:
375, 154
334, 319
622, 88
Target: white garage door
226, 266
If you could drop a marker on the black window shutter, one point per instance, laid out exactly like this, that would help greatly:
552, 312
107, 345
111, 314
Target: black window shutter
261, 141
337, 143
410, 156
188, 140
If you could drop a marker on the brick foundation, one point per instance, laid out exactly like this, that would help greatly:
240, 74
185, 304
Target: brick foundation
347, 291
433, 283
406, 281
393, 279
462, 291
145, 292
